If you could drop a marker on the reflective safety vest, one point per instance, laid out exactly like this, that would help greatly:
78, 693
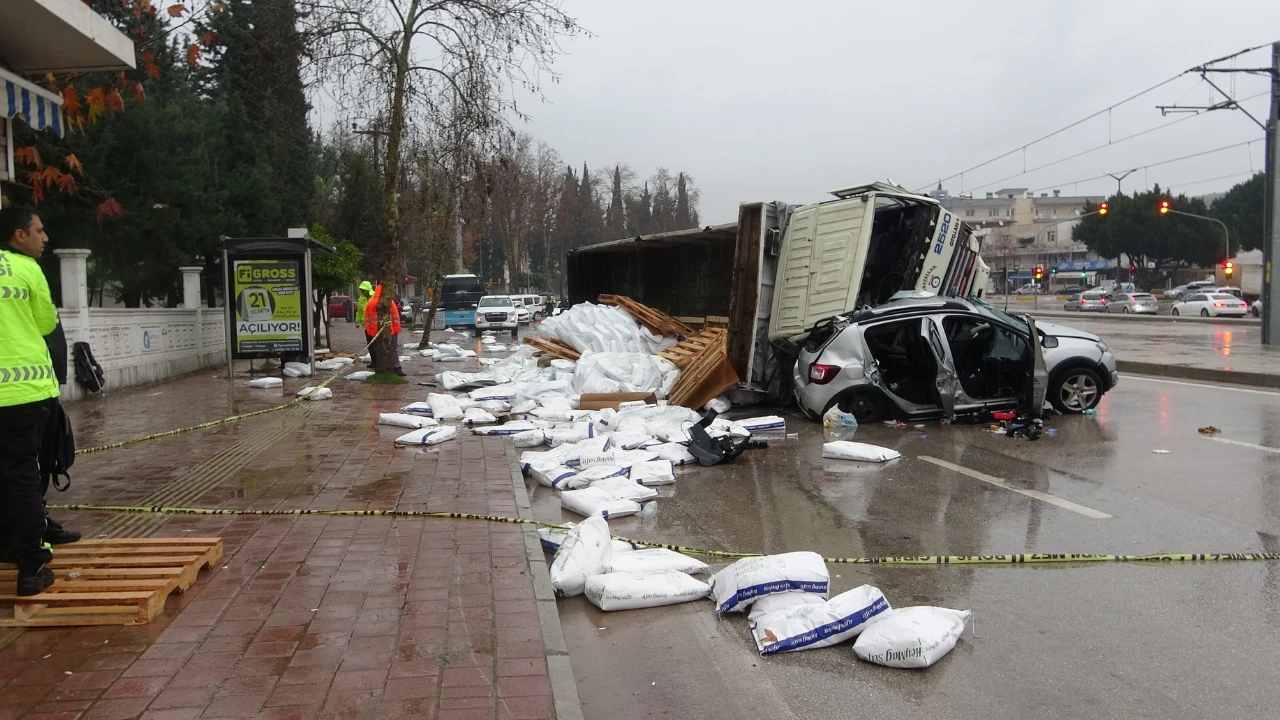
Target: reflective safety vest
371, 314
27, 314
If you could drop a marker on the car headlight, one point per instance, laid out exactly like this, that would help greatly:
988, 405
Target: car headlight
511, 317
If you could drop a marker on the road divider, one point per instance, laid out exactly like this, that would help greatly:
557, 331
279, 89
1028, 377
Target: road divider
913, 560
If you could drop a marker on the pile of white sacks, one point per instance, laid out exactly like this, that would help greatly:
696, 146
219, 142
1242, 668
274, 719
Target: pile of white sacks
786, 597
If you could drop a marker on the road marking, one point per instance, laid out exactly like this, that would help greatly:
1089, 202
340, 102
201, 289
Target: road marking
1207, 386
1036, 494
1241, 443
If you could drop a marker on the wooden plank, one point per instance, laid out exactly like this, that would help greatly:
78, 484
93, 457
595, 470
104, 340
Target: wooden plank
126, 561
112, 573
553, 348
54, 599
656, 320
123, 551
204, 541
97, 586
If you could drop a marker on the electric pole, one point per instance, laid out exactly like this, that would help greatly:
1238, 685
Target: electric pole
1271, 216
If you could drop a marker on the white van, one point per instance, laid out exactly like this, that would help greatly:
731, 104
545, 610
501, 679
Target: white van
529, 307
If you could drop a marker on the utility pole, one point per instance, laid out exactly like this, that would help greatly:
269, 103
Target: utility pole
1271, 217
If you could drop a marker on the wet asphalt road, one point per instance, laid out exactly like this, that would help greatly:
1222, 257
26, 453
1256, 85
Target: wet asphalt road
1122, 641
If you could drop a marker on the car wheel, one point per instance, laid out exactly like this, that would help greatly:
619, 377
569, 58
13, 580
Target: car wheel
1076, 390
1255, 312
1175, 311
1204, 312
866, 406
537, 317
1125, 309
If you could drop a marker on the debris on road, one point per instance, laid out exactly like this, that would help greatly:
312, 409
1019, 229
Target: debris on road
845, 450
314, 393
267, 382
912, 637
586, 550
360, 375
406, 420
737, 586
633, 591
811, 626
1209, 430
428, 436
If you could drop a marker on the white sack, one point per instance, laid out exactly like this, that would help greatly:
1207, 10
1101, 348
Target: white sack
806, 627
552, 538
763, 423
648, 561
557, 476
428, 436
720, 404
674, 453
496, 348
405, 420
912, 637
571, 434
630, 591
630, 441
848, 450
603, 472
594, 502
417, 408
560, 364
770, 604
334, 363
477, 416
737, 586
493, 406
653, 472
586, 551
268, 382
511, 428
528, 438
444, 407
504, 392
360, 375
623, 487
315, 393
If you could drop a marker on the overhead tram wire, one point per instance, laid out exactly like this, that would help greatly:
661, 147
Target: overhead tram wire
1152, 165
1099, 113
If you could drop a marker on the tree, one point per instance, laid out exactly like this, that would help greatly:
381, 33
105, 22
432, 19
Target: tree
615, 221
1135, 228
329, 274
1242, 209
444, 62
683, 218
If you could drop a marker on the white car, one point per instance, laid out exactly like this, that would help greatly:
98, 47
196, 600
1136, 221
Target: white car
523, 312
497, 312
1211, 305
1256, 308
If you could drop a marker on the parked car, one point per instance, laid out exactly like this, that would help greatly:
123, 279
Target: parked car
1211, 305
930, 357
1137, 303
1086, 302
1072, 289
1029, 289
338, 305
497, 312
1256, 308
523, 312
1182, 291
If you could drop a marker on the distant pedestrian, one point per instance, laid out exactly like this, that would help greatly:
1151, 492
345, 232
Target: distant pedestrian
28, 395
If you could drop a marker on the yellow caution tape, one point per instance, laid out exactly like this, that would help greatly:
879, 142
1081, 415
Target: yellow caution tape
212, 423
1013, 559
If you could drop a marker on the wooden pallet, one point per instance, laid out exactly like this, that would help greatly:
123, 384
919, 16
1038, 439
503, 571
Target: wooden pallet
656, 320
555, 348
108, 581
690, 349
705, 370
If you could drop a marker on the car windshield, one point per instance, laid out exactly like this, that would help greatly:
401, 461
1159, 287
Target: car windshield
1093, 296
495, 301
998, 314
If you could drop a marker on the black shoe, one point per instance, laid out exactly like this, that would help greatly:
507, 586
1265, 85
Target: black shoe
55, 534
34, 583
399, 371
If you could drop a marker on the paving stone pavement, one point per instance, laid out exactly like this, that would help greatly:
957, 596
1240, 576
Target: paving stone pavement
309, 616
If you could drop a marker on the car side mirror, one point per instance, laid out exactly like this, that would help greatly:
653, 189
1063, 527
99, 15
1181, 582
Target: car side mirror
1048, 341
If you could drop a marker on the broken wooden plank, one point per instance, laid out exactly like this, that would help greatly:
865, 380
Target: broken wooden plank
555, 348
653, 319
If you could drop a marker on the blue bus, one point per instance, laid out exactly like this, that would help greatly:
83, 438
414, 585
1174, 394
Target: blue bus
459, 295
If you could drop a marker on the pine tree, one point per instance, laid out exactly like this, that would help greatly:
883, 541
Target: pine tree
683, 218
615, 226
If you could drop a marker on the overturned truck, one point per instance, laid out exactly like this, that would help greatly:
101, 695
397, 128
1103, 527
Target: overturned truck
771, 277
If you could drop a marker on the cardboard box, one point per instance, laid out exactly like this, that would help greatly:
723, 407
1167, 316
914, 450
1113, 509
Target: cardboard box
600, 401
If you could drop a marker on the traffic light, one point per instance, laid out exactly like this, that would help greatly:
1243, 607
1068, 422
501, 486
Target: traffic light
1228, 267
1083, 275
1039, 272
1053, 271
1165, 207
1133, 268
1104, 208
407, 278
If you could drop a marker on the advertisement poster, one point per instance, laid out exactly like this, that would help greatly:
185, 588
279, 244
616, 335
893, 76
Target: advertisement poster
268, 308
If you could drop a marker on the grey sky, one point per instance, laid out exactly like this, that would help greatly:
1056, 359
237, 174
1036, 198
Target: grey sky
767, 100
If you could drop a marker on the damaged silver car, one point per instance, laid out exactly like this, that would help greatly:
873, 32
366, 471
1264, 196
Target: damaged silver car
926, 357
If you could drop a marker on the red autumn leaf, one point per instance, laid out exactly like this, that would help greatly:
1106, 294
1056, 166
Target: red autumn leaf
28, 156
193, 54
67, 183
37, 192
115, 103
139, 93
109, 209
97, 98
149, 62
71, 101
176, 10
122, 81
50, 176
73, 163
208, 39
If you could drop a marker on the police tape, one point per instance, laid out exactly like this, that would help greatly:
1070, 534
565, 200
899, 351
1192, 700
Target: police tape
920, 560
214, 423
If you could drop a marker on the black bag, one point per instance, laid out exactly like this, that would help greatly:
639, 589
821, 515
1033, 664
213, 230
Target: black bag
58, 453
88, 371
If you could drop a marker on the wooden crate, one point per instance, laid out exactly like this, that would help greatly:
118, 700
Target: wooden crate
108, 581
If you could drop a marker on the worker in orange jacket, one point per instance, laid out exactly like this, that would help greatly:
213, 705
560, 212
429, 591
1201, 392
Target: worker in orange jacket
371, 326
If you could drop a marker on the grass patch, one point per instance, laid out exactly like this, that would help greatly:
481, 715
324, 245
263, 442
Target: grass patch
385, 379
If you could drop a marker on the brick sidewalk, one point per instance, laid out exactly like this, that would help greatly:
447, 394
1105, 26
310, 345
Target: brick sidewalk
310, 616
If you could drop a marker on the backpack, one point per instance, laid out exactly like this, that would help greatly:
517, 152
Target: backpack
58, 453
88, 371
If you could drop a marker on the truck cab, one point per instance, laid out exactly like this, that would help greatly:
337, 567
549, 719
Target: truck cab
861, 249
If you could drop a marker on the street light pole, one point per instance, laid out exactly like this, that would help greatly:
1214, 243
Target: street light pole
1120, 177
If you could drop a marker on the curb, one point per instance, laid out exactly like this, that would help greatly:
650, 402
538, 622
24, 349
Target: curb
564, 688
1231, 377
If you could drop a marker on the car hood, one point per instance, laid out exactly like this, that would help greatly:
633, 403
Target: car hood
1057, 330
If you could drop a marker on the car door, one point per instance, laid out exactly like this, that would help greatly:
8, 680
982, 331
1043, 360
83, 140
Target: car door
1038, 371
945, 379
